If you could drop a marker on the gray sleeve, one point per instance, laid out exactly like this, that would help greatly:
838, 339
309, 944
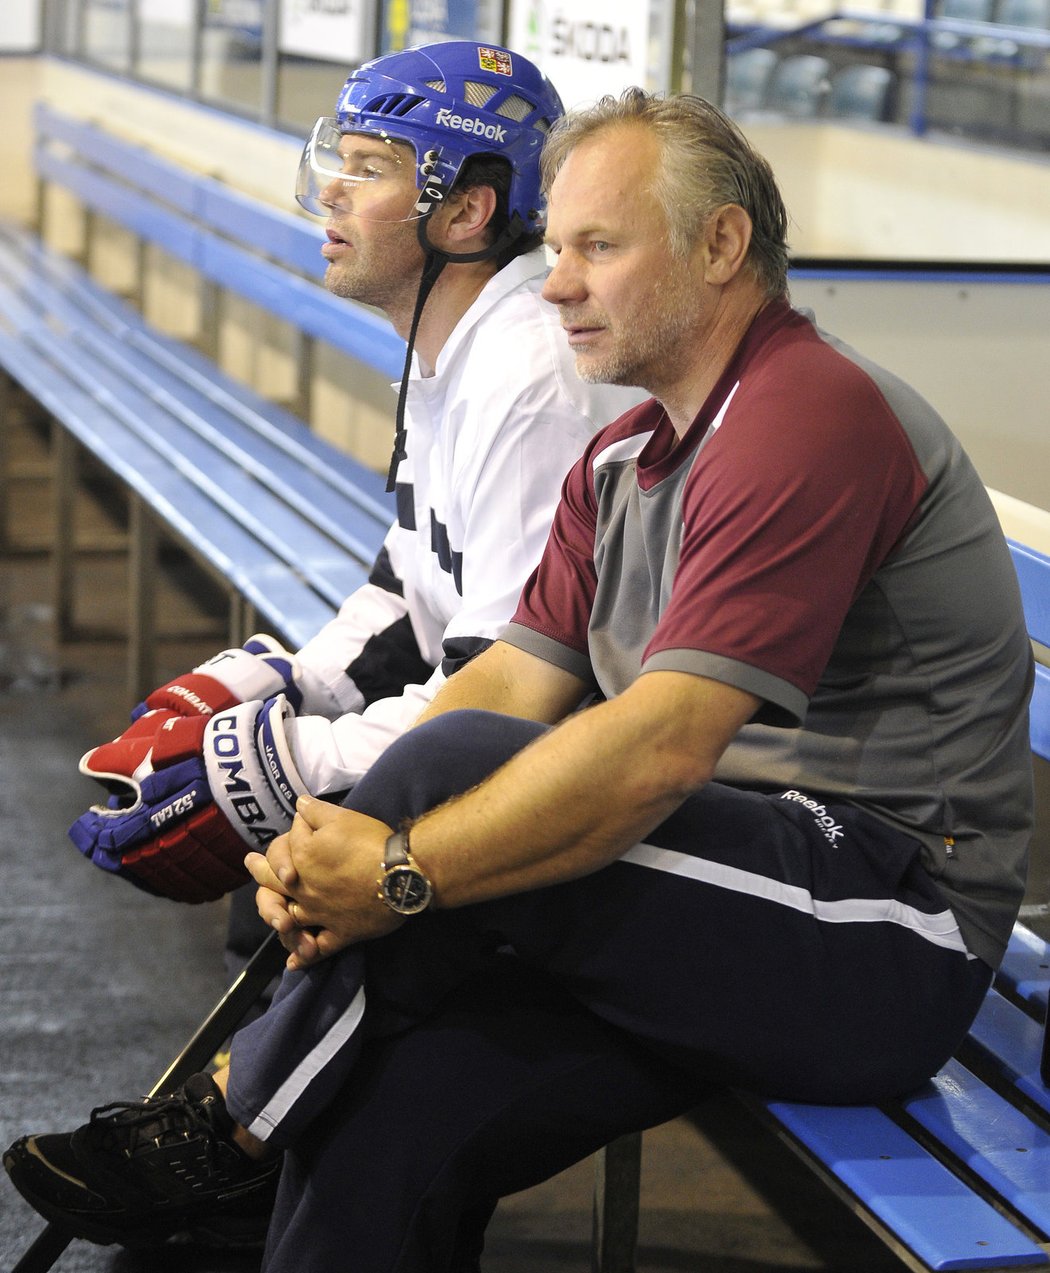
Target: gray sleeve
782, 703
551, 651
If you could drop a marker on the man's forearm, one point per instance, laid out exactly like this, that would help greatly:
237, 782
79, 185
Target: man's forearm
507, 680
572, 801
579, 797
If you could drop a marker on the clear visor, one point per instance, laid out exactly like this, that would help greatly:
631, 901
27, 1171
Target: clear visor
360, 173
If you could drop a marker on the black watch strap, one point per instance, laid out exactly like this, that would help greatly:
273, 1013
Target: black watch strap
402, 886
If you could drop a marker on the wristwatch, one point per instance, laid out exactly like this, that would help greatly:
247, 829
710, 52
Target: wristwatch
402, 885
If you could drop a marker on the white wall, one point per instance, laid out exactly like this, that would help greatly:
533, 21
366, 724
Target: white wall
20, 81
19, 26
874, 191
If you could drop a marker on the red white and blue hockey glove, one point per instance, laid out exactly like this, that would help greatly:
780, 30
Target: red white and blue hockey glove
260, 668
189, 796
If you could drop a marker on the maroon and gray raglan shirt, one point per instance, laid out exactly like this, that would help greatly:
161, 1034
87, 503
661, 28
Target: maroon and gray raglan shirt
818, 538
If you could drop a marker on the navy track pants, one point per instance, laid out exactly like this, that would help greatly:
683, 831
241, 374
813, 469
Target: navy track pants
760, 940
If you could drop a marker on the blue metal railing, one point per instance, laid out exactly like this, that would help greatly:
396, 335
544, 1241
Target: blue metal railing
888, 33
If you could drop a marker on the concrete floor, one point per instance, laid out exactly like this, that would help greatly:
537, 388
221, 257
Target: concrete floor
101, 984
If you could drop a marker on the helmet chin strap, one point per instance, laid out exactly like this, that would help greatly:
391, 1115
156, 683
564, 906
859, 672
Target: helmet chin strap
434, 263
435, 260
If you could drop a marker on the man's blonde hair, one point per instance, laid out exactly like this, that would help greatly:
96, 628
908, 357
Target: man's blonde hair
706, 163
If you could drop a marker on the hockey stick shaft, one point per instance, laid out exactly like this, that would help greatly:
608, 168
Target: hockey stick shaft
227, 1014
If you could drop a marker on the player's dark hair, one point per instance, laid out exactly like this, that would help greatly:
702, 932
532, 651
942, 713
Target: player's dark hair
706, 163
491, 170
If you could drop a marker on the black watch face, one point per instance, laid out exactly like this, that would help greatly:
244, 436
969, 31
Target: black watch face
406, 889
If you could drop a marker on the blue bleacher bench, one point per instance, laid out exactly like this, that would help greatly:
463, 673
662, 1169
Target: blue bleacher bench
957, 1174
288, 524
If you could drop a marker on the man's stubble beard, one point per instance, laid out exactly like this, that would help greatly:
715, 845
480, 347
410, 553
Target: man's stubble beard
644, 358
362, 279
357, 285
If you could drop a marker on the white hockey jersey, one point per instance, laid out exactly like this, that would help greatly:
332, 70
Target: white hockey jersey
491, 434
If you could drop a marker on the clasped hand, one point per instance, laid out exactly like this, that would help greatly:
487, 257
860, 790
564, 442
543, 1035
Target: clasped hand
318, 882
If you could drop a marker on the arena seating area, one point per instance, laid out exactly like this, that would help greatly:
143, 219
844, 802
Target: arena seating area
976, 67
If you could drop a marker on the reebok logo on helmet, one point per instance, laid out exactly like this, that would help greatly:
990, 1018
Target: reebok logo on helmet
491, 132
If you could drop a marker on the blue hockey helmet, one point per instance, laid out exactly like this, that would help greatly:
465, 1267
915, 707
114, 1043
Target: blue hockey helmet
449, 101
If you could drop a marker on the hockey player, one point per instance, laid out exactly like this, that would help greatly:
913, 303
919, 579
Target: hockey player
428, 177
